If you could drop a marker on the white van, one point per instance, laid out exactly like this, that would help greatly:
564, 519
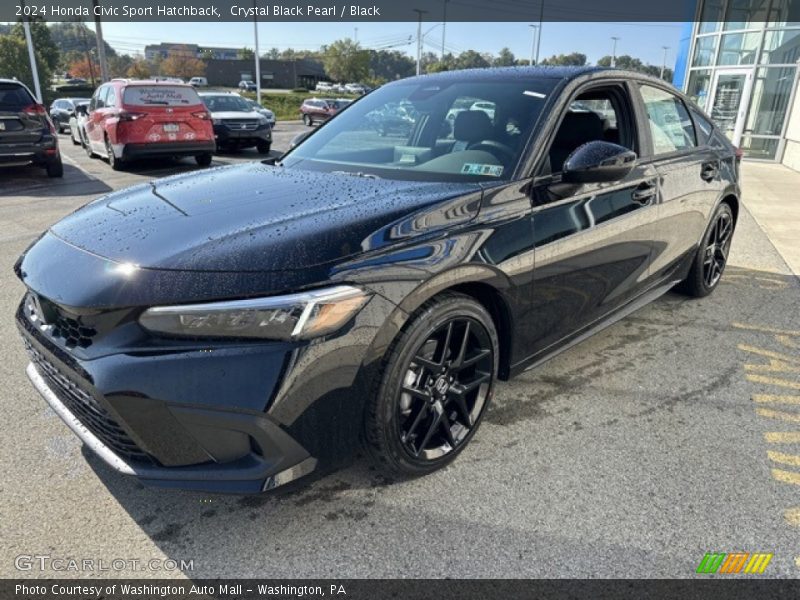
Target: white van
198, 82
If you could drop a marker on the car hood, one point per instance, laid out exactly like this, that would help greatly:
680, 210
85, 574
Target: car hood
256, 217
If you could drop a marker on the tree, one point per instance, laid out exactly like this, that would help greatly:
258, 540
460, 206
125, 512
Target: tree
207, 54
139, 69
574, 59
388, 65
245, 54
46, 51
84, 67
272, 54
118, 65
345, 60
14, 61
505, 58
181, 62
630, 63
71, 37
469, 59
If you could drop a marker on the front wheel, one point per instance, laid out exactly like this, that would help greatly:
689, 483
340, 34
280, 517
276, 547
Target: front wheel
263, 147
307, 121
712, 255
437, 381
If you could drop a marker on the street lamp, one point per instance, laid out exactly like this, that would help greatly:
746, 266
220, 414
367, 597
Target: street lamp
419, 38
534, 32
664, 62
614, 51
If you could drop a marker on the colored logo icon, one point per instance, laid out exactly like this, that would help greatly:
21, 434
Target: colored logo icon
734, 563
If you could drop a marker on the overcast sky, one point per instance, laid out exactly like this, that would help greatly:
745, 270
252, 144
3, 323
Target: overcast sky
642, 40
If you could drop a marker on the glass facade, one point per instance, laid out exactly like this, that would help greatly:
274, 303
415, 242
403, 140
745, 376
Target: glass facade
743, 69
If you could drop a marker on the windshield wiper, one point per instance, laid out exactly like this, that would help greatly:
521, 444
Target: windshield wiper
356, 174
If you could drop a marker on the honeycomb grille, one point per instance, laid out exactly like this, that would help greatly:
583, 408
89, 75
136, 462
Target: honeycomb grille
70, 329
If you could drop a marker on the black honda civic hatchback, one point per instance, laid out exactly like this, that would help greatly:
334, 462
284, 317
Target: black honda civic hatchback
236, 329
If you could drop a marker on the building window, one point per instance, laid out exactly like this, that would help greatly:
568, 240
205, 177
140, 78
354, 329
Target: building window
769, 100
746, 14
784, 13
704, 49
739, 48
781, 47
697, 89
759, 148
711, 16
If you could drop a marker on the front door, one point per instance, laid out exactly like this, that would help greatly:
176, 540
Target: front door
730, 93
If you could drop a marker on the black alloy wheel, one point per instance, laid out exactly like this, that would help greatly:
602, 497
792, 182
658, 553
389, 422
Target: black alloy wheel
437, 383
712, 255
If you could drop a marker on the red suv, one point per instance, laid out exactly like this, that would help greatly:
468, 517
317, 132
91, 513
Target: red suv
133, 119
316, 110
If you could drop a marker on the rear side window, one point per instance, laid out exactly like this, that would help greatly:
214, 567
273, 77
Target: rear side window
670, 125
14, 97
703, 127
160, 95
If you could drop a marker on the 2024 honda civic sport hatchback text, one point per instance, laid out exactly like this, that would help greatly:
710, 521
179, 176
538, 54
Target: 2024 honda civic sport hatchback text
231, 330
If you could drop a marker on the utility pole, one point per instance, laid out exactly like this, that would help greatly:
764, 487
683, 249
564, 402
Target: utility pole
101, 47
88, 53
257, 58
664, 62
614, 51
419, 38
534, 29
539, 30
31, 55
444, 25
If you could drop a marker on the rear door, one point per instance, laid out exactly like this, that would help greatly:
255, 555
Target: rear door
95, 121
689, 175
593, 242
21, 122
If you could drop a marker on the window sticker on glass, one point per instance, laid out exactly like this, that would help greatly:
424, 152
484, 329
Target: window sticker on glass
479, 169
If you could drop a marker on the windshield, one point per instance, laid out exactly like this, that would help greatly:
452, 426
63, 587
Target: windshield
223, 103
160, 95
446, 130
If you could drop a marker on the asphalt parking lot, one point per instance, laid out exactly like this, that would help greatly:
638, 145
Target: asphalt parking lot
633, 454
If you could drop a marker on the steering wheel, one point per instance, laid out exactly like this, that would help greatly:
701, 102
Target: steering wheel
501, 151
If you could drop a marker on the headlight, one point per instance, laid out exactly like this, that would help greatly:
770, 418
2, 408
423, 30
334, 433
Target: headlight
262, 120
296, 316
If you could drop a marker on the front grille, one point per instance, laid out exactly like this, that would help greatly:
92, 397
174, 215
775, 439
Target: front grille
72, 330
241, 124
86, 409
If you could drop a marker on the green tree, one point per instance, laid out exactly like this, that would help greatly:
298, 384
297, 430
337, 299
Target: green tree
469, 59
629, 63
139, 69
246, 53
574, 59
388, 65
345, 60
272, 54
46, 51
505, 58
14, 62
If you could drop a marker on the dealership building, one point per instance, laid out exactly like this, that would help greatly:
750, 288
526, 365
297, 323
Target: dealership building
738, 60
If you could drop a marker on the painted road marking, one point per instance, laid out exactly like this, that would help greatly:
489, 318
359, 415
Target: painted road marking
786, 476
778, 414
774, 399
782, 437
793, 385
784, 459
792, 516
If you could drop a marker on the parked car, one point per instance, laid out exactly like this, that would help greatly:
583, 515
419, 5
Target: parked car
76, 81
487, 107
77, 123
317, 110
356, 88
27, 135
267, 113
198, 82
131, 119
248, 86
324, 86
236, 124
62, 110
236, 329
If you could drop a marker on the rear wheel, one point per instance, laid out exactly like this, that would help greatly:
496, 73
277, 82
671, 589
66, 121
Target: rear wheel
712, 256
203, 160
55, 168
437, 381
114, 162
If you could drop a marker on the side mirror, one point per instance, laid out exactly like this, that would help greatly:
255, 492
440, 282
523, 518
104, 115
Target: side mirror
597, 162
81, 110
299, 138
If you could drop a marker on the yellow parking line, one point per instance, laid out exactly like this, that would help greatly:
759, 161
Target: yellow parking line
786, 476
787, 341
766, 329
769, 353
778, 414
794, 385
782, 437
792, 516
774, 366
785, 459
776, 399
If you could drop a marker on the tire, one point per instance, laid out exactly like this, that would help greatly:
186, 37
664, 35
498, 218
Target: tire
203, 160
263, 147
55, 168
74, 141
712, 255
114, 162
411, 434
87, 146
307, 121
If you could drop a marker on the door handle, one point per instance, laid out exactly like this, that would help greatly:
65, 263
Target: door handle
644, 193
709, 170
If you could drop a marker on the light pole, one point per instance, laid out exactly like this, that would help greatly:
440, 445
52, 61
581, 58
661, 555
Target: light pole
258, 60
534, 31
664, 62
419, 38
444, 25
539, 31
101, 47
614, 51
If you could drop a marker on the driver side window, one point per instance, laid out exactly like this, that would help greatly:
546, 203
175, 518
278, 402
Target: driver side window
595, 115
